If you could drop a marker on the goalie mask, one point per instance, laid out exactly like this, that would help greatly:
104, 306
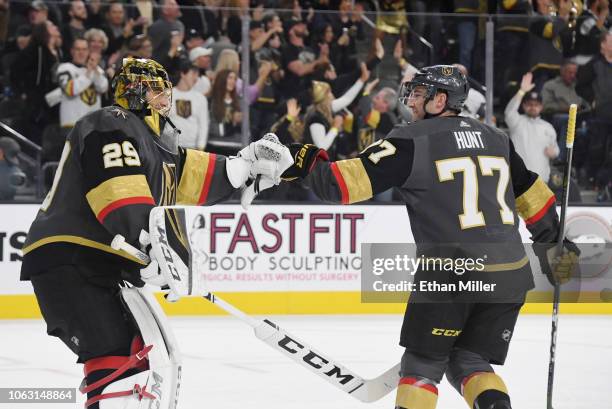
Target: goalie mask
143, 87
439, 78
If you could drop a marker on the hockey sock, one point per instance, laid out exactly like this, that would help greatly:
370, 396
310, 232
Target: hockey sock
416, 393
485, 390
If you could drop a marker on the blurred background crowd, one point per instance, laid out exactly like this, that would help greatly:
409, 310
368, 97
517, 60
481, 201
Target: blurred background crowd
321, 71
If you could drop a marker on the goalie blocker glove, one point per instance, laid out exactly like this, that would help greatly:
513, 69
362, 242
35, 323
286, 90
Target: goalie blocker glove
305, 157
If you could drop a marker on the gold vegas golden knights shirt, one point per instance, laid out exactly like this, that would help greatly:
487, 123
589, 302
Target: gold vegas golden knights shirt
114, 169
463, 185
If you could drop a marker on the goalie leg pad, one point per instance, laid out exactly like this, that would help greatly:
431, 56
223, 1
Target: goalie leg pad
151, 372
164, 357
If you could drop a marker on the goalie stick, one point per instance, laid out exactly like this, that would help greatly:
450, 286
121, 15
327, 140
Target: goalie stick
365, 390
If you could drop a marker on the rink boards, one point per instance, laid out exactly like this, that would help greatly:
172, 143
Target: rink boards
280, 259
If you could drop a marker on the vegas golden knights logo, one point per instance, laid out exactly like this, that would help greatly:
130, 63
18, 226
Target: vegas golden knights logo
183, 108
168, 196
447, 71
365, 138
89, 96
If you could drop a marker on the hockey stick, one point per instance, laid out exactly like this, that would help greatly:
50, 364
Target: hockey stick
366, 390
571, 129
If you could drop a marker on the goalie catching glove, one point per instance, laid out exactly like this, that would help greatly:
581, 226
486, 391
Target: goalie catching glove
266, 157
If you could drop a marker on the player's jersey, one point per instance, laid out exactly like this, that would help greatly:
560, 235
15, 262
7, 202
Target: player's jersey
461, 181
113, 171
81, 93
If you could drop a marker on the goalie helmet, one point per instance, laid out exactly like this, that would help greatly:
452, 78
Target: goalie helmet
139, 86
439, 78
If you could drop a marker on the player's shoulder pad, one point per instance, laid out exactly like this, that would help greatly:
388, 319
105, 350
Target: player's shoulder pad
411, 130
111, 119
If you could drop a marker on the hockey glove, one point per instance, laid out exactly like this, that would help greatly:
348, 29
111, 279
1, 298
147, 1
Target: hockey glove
559, 269
266, 157
305, 157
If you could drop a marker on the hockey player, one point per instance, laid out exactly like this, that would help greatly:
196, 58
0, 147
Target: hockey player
462, 182
118, 163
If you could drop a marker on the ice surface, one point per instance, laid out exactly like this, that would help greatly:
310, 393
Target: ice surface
226, 367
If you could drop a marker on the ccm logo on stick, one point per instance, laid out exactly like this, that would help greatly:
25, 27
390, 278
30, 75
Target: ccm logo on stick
313, 359
165, 248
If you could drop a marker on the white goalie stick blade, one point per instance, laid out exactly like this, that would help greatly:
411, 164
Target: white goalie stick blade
365, 390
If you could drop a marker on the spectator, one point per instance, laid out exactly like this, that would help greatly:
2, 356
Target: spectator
340, 56
76, 25
32, 77
323, 121
590, 25
475, 103
467, 30
95, 14
228, 60
225, 111
376, 118
11, 177
259, 36
97, 42
264, 108
201, 58
560, 92
82, 82
534, 139
38, 12
140, 46
189, 110
165, 28
510, 43
196, 16
236, 11
117, 29
299, 61
557, 96
193, 39
272, 21
545, 31
12, 50
4, 20
595, 85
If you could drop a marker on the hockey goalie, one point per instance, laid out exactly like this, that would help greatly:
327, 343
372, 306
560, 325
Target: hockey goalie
118, 163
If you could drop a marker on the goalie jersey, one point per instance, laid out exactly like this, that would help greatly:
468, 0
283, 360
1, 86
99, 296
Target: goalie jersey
112, 172
462, 182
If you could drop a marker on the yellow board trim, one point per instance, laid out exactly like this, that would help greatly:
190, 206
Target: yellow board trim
81, 241
280, 303
117, 188
533, 200
480, 383
192, 177
356, 178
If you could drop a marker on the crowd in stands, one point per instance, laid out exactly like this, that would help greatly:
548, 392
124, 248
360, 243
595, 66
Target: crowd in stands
322, 71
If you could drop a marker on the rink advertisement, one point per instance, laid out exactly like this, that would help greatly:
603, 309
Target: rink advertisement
280, 258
